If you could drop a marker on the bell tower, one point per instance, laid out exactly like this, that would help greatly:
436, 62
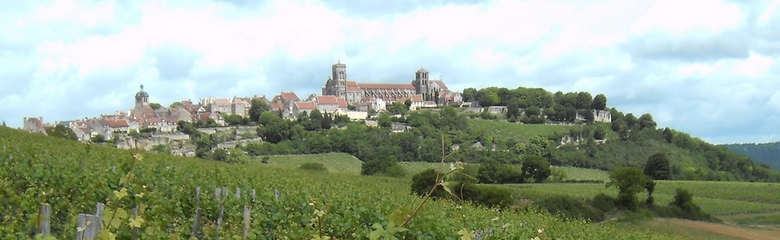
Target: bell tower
421, 81
339, 75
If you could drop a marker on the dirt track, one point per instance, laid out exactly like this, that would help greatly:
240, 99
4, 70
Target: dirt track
728, 230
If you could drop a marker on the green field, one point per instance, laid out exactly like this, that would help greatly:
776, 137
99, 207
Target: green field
523, 132
334, 162
72, 177
575, 173
717, 198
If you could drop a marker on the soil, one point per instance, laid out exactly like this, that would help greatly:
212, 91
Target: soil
727, 230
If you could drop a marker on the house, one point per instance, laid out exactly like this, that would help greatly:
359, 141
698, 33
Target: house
497, 109
417, 101
34, 125
450, 98
240, 107
328, 104
206, 116
598, 116
217, 105
301, 107
378, 105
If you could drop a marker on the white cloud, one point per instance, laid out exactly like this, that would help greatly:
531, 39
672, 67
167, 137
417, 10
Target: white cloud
692, 64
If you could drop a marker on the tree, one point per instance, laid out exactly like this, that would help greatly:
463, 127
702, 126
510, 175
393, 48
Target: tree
536, 147
583, 100
616, 124
469, 94
384, 120
587, 114
646, 121
512, 109
668, 136
532, 111
176, 105
537, 168
424, 182
630, 120
61, 131
155, 106
4, 124
599, 102
629, 181
489, 99
257, 108
327, 121
408, 104
658, 167
98, 138
599, 133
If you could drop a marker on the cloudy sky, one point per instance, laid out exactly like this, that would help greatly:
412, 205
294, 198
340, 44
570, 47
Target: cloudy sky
709, 68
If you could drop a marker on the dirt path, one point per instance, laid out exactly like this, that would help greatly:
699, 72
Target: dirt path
728, 230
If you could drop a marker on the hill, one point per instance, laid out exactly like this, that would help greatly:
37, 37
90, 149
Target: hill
72, 177
766, 153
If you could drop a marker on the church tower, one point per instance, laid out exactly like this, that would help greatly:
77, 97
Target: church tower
141, 98
421, 81
339, 76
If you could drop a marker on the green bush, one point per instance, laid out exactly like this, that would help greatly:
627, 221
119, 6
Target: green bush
423, 182
569, 207
313, 166
395, 170
485, 195
603, 202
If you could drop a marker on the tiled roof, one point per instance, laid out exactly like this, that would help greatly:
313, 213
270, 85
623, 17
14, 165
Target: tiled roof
327, 100
275, 106
115, 123
305, 105
441, 84
352, 86
342, 102
221, 102
386, 86
289, 96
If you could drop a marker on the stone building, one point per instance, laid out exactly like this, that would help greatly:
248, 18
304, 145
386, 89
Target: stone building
338, 85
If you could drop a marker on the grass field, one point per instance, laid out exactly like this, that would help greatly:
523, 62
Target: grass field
334, 162
523, 132
575, 173
718, 198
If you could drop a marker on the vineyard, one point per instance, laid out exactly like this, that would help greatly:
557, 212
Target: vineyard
717, 198
288, 204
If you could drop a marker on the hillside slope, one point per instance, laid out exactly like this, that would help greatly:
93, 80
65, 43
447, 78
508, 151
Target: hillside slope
766, 153
72, 177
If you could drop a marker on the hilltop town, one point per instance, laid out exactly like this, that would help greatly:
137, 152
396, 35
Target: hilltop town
340, 97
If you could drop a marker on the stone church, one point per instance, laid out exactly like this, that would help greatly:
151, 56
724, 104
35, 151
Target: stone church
340, 86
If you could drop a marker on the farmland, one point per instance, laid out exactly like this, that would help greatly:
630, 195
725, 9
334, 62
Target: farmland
524, 132
72, 177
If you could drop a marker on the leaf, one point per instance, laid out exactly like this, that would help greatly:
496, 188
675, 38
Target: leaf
121, 193
136, 222
106, 235
447, 188
141, 208
466, 234
121, 213
399, 216
377, 233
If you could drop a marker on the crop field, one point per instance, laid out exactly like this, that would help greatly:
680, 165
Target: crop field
717, 198
72, 177
524, 132
334, 162
575, 173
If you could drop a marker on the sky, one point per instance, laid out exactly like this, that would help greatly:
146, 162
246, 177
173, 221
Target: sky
708, 68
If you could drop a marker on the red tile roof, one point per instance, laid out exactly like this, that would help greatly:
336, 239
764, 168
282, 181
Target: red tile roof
305, 105
352, 87
289, 96
342, 102
386, 86
275, 106
115, 123
327, 100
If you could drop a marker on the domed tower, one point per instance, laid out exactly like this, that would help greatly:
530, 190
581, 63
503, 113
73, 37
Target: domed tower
141, 98
421, 81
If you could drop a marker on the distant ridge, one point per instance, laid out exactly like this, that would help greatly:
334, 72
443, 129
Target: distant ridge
766, 153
